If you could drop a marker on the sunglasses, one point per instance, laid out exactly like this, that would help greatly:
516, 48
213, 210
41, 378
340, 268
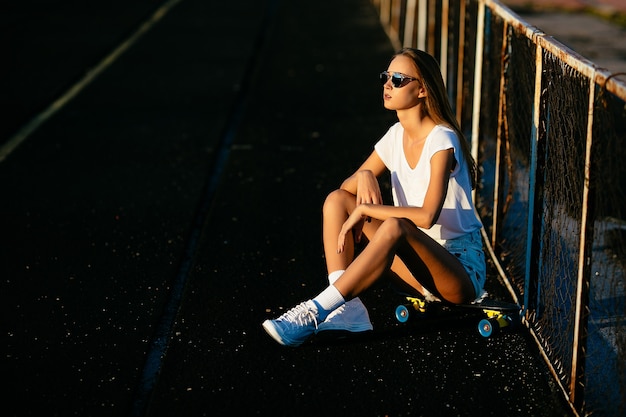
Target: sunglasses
398, 80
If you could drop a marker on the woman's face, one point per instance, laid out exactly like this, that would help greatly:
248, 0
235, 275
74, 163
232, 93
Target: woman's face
408, 96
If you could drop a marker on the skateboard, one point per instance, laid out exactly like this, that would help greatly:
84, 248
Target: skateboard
497, 315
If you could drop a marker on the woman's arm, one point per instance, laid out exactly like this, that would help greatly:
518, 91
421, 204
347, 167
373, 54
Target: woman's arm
364, 182
426, 216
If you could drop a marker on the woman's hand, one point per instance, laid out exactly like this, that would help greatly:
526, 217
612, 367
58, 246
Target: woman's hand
367, 189
354, 222
364, 185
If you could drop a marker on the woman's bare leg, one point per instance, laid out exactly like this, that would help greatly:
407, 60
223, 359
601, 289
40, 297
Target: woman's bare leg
430, 263
353, 315
337, 207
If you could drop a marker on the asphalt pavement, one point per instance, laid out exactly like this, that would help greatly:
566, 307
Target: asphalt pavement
155, 219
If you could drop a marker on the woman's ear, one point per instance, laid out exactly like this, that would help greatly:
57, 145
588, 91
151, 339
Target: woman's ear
422, 93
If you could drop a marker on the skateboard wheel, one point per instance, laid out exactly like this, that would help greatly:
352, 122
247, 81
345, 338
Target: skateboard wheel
402, 313
485, 328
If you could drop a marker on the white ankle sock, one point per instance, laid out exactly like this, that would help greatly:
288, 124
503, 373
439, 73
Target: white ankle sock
334, 276
328, 300
429, 296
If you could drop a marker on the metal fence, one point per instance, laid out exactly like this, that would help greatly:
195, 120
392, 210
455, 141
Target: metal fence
548, 129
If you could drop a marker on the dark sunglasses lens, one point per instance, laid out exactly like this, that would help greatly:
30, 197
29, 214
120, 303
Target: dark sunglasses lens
396, 80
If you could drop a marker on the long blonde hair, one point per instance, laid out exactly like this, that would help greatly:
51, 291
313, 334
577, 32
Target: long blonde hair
437, 104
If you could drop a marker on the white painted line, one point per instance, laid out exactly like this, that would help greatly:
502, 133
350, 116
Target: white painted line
37, 121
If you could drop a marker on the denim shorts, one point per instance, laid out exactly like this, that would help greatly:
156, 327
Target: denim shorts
469, 250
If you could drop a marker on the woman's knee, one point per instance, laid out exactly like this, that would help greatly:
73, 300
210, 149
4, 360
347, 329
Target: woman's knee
338, 198
392, 228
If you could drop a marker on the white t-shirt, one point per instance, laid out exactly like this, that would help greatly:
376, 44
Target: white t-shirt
409, 185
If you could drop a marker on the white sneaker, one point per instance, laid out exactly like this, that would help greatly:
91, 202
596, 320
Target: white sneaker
351, 316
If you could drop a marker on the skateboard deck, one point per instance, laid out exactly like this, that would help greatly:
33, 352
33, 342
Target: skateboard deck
496, 315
